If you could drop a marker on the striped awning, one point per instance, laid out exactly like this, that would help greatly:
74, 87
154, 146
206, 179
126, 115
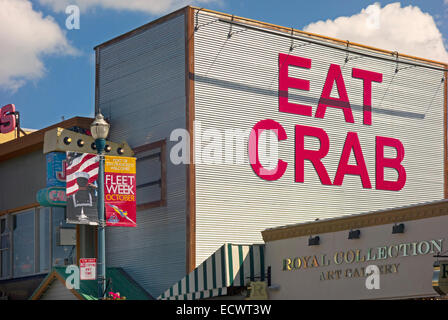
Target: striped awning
230, 266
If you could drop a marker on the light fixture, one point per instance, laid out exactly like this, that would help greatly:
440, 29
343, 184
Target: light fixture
398, 228
314, 241
108, 148
67, 140
93, 146
354, 234
80, 143
99, 127
120, 151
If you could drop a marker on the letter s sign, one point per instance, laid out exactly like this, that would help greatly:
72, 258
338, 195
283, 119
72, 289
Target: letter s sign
7, 118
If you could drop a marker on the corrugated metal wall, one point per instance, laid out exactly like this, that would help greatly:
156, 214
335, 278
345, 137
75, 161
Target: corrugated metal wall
16, 173
142, 93
236, 85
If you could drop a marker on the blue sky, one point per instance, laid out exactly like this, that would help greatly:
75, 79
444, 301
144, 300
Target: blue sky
48, 70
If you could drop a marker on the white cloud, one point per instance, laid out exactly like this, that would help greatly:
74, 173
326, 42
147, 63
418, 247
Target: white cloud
407, 30
148, 6
26, 36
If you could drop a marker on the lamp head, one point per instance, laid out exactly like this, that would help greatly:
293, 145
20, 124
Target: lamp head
99, 127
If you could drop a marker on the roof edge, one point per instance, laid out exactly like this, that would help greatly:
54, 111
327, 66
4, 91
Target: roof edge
270, 26
47, 281
142, 28
34, 140
321, 37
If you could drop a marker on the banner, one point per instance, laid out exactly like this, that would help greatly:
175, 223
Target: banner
120, 191
81, 188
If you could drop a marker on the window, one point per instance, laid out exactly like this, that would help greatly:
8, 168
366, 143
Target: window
43, 233
34, 241
151, 175
62, 253
5, 252
23, 241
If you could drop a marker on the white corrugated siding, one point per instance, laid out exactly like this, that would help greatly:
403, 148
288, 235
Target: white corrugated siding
142, 92
21, 169
236, 86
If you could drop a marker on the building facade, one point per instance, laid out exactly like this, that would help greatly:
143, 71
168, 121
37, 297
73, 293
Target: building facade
285, 126
239, 126
398, 253
30, 242
402, 243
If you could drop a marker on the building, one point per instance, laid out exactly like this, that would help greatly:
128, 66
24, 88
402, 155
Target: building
30, 233
331, 259
37, 244
358, 129
241, 126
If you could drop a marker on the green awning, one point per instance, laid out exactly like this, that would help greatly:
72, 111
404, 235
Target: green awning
230, 266
120, 281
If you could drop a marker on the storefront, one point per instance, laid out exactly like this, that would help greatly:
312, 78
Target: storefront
388, 254
330, 259
33, 238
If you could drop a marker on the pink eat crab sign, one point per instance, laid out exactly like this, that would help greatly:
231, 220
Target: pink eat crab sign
352, 143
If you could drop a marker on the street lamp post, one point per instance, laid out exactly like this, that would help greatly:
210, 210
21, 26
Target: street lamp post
100, 130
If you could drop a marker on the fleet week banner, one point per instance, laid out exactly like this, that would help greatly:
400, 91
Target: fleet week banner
82, 188
120, 191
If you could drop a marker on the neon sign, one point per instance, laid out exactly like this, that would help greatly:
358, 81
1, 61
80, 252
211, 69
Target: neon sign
52, 197
56, 167
7, 118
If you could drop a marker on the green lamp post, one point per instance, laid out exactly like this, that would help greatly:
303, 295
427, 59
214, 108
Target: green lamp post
100, 129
